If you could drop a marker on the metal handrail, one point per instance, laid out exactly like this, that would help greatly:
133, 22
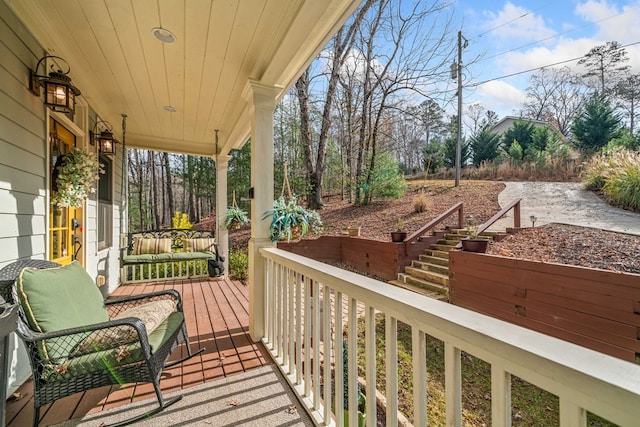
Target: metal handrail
430, 225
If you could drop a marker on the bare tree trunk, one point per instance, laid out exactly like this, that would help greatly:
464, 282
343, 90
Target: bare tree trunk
138, 164
168, 184
153, 192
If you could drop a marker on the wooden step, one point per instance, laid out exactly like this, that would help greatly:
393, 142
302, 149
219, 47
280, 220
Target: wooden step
434, 260
437, 253
451, 236
432, 276
449, 242
436, 268
445, 248
419, 290
423, 283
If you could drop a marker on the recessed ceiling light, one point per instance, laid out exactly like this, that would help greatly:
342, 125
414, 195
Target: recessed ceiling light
163, 35
170, 108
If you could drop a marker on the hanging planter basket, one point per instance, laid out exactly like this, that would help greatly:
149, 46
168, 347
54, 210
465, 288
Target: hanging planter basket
235, 217
74, 177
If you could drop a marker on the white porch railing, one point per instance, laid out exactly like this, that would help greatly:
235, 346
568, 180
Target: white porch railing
306, 299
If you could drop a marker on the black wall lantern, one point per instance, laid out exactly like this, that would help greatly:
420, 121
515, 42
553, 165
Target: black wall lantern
105, 140
59, 93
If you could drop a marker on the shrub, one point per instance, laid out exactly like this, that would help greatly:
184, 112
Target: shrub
181, 220
239, 264
420, 203
624, 188
617, 174
387, 181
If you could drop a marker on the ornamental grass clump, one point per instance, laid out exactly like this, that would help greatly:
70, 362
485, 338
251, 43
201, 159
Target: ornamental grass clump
75, 177
617, 174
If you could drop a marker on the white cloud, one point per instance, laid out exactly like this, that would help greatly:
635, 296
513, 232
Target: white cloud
500, 97
517, 23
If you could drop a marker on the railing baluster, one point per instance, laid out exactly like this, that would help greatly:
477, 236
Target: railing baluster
307, 336
316, 345
299, 308
572, 415
285, 320
268, 314
326, 347
391, 350
352, 367
292, 320
419, 350
500, 397
370, 363
339, 361
453, 385
278, 289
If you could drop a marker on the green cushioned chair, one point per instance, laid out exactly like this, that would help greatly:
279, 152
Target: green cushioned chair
76, 341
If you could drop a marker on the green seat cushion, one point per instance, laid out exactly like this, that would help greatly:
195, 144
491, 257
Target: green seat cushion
115, 357
60, 298
175, 256
185, 256
146, 258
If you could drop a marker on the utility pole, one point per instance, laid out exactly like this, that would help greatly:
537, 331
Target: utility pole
459, 130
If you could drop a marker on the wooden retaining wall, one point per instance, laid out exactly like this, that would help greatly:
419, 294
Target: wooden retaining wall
593, 308
382, 259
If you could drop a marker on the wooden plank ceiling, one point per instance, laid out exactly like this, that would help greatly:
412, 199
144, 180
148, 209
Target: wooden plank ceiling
120, 67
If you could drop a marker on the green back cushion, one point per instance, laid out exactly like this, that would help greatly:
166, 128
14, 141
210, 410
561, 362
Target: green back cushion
151, 246
60, 298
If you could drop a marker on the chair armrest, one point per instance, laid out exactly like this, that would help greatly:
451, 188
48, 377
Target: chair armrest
130, 301
131, 322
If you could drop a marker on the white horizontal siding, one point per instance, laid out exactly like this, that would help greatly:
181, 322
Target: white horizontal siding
22, 162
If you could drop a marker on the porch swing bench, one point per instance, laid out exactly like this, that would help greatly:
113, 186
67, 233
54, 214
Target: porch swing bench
77, 341
169, 253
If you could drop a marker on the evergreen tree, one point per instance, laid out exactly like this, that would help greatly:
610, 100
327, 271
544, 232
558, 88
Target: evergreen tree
521, 131
485, 146
596, 124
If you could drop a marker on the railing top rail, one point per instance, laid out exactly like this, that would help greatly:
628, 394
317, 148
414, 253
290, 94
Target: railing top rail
430, 225
600, 383
496, 217
499, 215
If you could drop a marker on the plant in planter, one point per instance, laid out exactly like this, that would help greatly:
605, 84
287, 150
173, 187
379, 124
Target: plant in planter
290, 220
235, 218
74, 177
362, 400
473, 243
399, 235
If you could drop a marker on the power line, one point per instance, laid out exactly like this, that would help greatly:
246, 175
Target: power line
513, 20
539, 68
554, 36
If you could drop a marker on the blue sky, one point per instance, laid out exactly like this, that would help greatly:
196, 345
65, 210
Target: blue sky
507, 37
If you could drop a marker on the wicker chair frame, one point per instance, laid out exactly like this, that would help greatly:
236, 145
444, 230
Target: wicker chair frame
52, 383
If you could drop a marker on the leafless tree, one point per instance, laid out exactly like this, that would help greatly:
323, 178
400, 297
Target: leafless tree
554, 95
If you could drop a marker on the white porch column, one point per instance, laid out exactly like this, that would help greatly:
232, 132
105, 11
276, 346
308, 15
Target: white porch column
222, 234
262, 103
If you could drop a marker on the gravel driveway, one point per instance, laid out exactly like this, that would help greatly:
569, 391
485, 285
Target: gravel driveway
565, 203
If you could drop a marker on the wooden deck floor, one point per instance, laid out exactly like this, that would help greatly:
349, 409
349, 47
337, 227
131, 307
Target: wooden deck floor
217, 319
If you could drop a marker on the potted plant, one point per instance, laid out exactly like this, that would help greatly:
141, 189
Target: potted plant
472, 243
75, 175
235, 218
290, 220
399, 235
